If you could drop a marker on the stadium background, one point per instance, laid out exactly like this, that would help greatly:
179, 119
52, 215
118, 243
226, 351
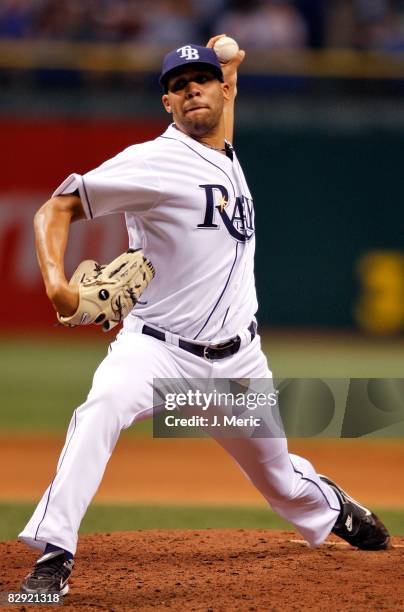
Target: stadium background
320, 126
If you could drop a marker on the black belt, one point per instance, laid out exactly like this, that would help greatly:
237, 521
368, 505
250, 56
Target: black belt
210, 352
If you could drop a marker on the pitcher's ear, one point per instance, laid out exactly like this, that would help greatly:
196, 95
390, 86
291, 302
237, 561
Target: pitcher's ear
166, 103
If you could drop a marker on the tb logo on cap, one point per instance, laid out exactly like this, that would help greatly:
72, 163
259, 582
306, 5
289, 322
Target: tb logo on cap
188, 53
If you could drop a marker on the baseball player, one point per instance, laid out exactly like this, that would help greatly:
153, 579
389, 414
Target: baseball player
188, 206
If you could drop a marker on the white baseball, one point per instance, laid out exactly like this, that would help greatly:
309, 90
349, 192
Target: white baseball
225, 49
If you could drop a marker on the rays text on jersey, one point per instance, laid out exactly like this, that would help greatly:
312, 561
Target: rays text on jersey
239, 221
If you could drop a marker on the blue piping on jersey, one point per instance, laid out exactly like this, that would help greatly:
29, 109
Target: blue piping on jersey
220, 296
202, 157
51, 485
87, 198
315, 484
225, 317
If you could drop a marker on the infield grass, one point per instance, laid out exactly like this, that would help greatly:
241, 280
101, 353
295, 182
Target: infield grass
104, 518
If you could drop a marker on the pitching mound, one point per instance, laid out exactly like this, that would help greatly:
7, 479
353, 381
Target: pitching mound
214, 570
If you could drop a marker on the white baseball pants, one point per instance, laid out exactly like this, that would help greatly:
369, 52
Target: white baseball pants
122, 394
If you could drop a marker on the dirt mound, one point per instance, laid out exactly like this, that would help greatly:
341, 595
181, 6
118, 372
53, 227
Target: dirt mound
219, 570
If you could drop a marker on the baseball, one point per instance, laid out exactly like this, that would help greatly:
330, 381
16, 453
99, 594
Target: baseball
225, 49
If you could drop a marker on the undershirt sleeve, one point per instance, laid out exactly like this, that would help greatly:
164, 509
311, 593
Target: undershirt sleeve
122, 184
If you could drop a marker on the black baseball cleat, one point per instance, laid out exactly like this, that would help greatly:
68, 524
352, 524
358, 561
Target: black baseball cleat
357, 524
50, 574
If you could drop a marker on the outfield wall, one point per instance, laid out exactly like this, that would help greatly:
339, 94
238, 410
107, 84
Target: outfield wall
329, 213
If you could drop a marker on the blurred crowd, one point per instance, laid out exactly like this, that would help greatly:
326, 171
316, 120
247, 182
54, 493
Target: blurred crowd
265, 24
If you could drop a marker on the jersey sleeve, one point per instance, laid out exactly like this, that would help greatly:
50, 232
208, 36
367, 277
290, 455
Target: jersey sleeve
122, 184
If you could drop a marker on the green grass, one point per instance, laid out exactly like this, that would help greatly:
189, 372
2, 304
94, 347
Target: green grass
336, 355
41, 383
43, 380
127, 517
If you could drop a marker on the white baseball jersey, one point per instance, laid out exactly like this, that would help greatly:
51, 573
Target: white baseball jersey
189, 208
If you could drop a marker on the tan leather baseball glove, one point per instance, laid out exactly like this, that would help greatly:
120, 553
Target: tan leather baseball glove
108, 293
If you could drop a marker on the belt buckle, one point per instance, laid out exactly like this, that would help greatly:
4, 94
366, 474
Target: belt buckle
205, 353
217, 347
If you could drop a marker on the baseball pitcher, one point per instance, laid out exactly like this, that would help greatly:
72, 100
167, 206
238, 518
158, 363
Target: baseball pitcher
190, 219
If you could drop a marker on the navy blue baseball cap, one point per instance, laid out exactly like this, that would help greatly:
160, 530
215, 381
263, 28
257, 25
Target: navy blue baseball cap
189, 55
